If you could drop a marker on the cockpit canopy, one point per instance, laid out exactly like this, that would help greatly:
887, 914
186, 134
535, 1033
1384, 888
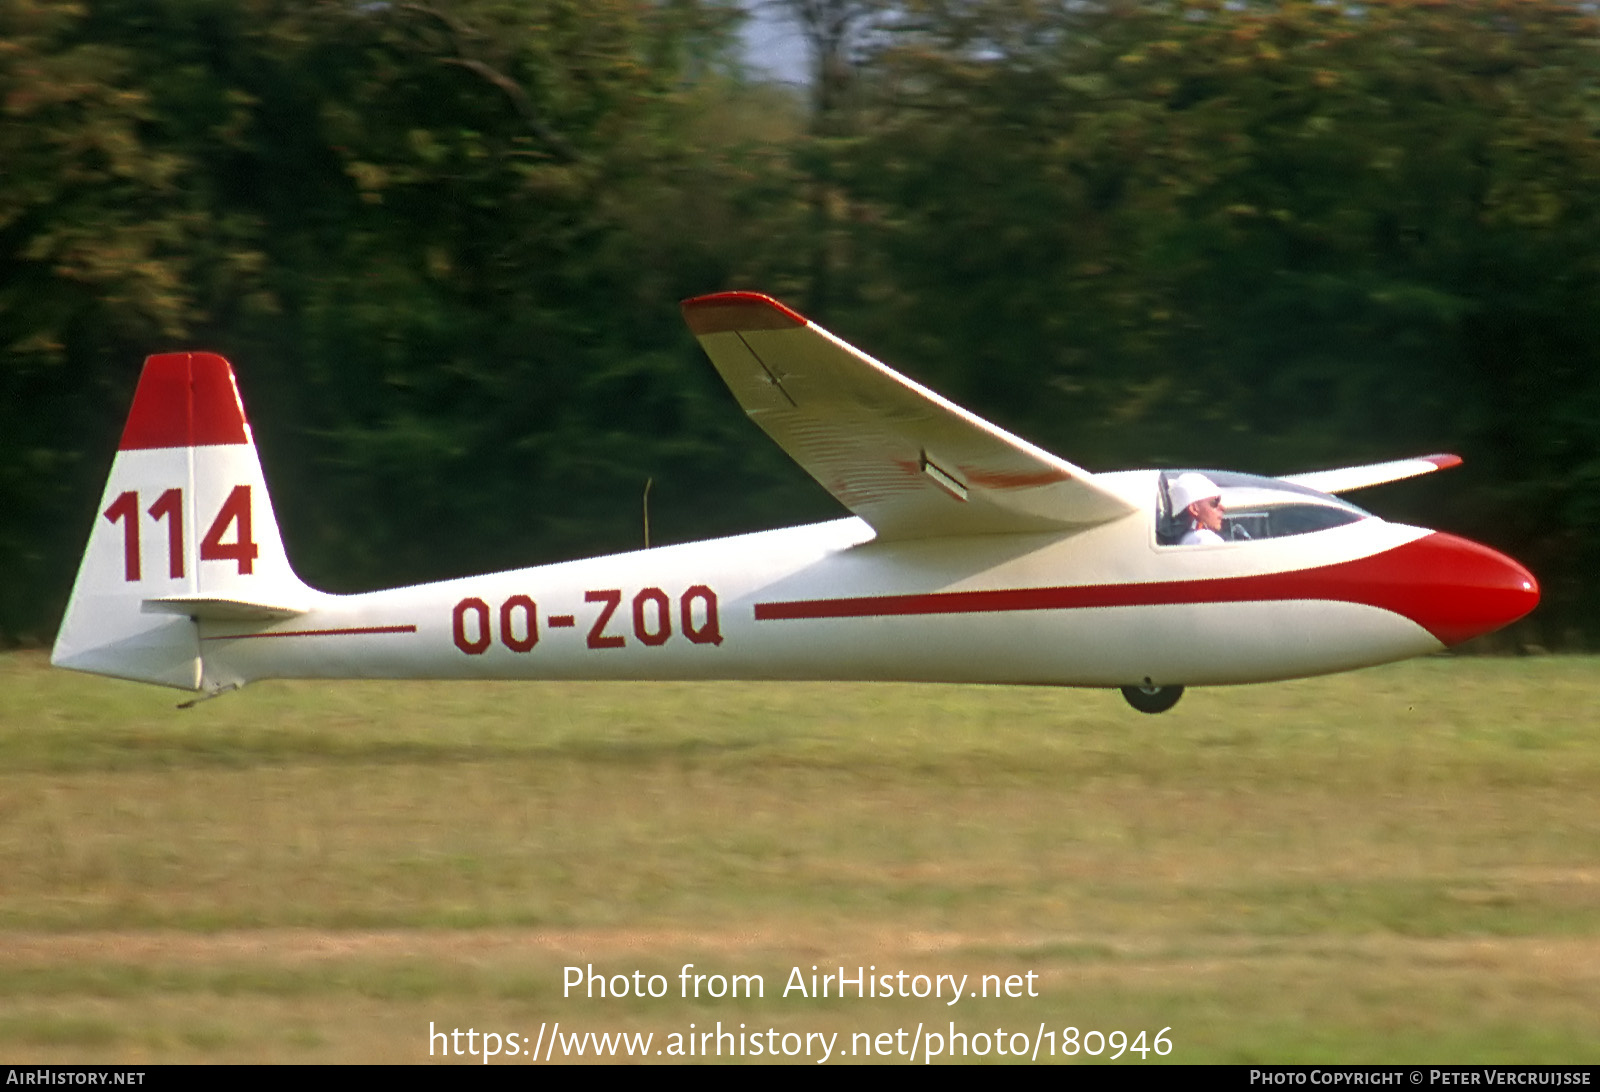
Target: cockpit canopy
1255, 507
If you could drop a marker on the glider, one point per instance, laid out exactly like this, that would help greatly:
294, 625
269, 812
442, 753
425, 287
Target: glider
971, 556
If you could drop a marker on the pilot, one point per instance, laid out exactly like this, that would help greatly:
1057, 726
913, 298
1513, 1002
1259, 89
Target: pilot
1199, 496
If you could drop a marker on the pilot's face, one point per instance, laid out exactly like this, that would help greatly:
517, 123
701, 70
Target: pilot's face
1208, 513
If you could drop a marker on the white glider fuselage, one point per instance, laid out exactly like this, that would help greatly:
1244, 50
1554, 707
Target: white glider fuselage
825, 602
974, 558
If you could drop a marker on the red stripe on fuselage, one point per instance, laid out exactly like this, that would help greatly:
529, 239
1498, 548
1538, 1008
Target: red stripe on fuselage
358, 631
1454, 588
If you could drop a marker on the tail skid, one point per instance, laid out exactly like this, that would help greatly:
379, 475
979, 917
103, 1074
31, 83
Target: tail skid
185, 533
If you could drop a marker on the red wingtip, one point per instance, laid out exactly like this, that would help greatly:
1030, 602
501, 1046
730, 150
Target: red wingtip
185, 400
724, 311
1443, 462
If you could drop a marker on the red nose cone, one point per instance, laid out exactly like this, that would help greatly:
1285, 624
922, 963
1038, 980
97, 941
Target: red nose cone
1458, 590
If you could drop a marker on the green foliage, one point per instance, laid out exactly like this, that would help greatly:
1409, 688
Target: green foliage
443, 242
1274, 236
101, 229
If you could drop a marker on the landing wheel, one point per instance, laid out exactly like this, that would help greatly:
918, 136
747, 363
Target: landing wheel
1152, 699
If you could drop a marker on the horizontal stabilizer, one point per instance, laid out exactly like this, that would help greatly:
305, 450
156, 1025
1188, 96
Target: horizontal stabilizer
211, 609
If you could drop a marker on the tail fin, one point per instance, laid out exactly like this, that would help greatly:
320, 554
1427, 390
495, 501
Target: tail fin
185, 531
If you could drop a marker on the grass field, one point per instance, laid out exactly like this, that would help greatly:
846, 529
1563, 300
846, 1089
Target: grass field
1401, 864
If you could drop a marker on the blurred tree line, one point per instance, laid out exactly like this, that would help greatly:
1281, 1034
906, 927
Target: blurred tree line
443, 242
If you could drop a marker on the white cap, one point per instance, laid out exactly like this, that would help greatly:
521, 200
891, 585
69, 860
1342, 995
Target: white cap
1189, 488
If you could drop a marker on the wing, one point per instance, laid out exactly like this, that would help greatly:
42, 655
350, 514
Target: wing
909, 462
1348, 478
